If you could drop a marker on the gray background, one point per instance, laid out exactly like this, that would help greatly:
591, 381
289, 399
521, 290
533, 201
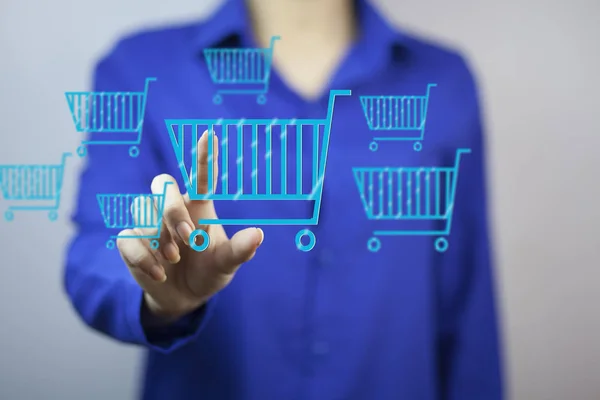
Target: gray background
537, 63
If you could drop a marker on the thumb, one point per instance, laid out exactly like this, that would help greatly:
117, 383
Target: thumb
230, 254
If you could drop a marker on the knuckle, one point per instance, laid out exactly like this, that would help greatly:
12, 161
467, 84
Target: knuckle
137, 232
134, 255
171, 209
136, 259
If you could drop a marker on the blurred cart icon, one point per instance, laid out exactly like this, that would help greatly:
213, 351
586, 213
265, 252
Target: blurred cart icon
395, 117
242, 71
109, 112
133, 211
409, 194
30, 185
268, 184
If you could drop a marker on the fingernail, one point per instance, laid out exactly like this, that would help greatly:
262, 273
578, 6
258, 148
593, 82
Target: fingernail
262, 235
171, 253
184, 230
158, 274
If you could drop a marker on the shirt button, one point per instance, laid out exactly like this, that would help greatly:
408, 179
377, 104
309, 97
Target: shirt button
320, 348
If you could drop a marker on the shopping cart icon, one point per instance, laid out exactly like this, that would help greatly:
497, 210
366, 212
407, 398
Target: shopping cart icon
243, 71
109, 112
398, 117
409, 194
133, 211
33, 184
232, 185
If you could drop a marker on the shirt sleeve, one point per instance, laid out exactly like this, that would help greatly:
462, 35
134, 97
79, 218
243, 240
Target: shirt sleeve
470, 361
96, 280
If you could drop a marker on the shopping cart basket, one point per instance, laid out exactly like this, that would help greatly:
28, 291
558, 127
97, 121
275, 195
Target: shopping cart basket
403, 194
269, 187
32, 184
245, 71
394, 114
109, 112
118, 213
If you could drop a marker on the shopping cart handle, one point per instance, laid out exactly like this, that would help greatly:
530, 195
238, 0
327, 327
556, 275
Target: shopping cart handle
147, 85
332, 96
64, 157
273, 39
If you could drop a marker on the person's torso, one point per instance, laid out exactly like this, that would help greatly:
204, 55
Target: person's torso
340, 321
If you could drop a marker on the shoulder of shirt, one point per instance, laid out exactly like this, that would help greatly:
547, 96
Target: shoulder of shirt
429, 49
144, 43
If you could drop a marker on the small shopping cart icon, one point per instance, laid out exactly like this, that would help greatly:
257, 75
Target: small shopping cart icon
140, 211
242, 71
120, 113
409, 194
34, 187
278, 137
397, 118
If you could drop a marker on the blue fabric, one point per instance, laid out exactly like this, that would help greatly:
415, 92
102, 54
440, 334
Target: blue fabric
339, 322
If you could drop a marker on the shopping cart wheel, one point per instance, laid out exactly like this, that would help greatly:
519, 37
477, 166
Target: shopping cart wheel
52, 215
205, 242
441, 244
311, 240
261, 99
9, 215
154, 244
134, 151
217, 99
373, 146
374, 244
110, 244
82, 151
417, 146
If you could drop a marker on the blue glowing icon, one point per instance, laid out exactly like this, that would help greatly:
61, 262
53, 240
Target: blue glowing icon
109, 112
272, 183
142, 212
35, 187
243, 71
395, 117
409, 194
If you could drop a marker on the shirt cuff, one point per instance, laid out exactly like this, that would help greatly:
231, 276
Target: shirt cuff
166, 339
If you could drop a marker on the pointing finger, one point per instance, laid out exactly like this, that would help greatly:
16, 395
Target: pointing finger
170, 203
207, 164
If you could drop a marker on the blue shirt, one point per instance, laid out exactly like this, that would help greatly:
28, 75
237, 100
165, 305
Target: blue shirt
338, 322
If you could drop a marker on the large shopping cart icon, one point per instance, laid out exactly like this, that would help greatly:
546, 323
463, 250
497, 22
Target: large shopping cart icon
409, 194
232, 185
241, 71
109, 112
397, 117
133, 211
33, 187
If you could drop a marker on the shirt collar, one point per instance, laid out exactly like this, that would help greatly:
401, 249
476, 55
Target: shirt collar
231, 21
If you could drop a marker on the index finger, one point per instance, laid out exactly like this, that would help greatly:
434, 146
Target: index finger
207, 166
174, 212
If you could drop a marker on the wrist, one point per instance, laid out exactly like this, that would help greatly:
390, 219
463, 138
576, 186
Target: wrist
159, 315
